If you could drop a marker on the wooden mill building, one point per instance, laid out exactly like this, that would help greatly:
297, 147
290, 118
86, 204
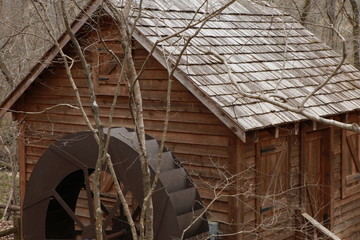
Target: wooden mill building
279, 162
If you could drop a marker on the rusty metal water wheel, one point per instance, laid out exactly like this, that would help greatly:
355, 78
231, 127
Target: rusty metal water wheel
64, 170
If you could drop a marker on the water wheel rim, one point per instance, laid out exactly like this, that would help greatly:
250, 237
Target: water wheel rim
64, 157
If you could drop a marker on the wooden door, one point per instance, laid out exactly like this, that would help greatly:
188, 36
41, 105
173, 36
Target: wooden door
350, 169
316, 175
273, 178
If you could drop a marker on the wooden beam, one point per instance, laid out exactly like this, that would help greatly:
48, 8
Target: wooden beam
275, 131
257, 184
11, 207
236, 207
296, 128
327, 172
353, 152
332, 187
320, 227
240, 182
253, 137
344, 157
314, 125
302, 166
22, 162
47, 59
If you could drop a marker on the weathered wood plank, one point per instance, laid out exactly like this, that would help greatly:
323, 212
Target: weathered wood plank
320, 227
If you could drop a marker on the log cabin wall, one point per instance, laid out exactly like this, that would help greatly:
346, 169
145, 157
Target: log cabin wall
315, 170
328, 179
346, 185
196, 137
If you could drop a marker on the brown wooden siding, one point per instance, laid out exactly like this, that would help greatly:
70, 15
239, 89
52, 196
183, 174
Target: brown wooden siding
195, 135
346, 198
205, 146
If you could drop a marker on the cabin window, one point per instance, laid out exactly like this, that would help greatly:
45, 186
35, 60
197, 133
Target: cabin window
350, 163
273, 177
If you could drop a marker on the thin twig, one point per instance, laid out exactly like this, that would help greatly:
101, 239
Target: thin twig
46, 109
333, 73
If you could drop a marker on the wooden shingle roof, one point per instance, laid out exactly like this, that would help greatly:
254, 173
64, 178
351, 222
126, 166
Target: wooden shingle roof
266, 49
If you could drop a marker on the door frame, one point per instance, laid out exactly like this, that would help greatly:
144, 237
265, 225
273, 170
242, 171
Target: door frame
326, 167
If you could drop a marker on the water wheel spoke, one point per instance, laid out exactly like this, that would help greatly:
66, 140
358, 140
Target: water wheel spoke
68, 173
89, 196
67, 209
111, 214
104, 209
136, 212
117, 234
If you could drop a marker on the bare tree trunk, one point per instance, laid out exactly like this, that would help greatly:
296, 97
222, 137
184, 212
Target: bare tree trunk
305, 11
356, 33
330, 36
5, 71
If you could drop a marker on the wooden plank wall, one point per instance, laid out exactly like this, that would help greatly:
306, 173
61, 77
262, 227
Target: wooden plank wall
272, 223
346, 207
195, 135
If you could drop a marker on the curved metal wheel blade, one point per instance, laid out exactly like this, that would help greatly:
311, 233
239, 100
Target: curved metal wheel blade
63, 170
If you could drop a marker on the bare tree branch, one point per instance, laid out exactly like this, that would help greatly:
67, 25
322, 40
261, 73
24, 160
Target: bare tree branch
270, 99
334, 72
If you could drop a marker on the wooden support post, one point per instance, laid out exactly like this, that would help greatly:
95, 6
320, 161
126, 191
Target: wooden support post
17, 226
297, 127
274, 132
302, 165
22, 163
240, 182
258, 188
314, 125
256, 137
236, 210
329, 176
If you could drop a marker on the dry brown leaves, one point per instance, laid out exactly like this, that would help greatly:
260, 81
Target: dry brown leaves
6, 225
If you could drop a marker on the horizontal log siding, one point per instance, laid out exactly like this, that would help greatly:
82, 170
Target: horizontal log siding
346, 209
195, 135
